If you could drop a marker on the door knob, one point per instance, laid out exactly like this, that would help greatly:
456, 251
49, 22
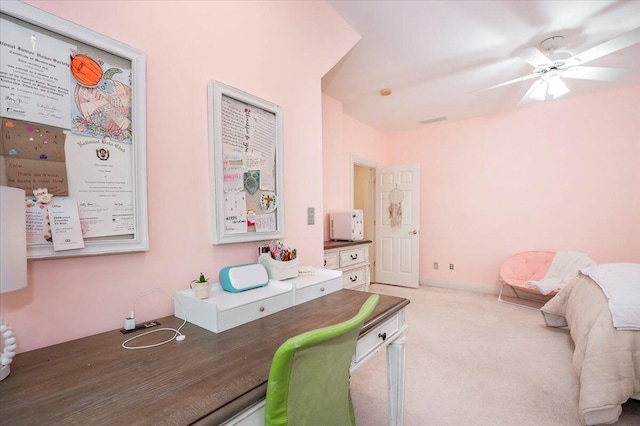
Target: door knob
414, 232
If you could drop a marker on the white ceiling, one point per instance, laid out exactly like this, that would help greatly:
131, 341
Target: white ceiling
434, 54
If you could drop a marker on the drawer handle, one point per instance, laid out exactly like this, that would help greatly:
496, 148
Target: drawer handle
321, 288
261, 308
353, 279
383, 336
325, 262
354, 256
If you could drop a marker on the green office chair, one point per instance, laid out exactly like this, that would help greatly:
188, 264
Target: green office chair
309, 377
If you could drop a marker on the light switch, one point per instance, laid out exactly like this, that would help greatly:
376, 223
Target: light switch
311, 216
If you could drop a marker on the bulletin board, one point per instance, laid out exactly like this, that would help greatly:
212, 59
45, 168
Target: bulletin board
73, 122
245, 166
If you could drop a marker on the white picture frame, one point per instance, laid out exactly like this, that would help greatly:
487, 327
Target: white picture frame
53, 26
225, 153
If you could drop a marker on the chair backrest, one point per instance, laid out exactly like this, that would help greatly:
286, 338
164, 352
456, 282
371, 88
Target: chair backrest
309, 377
525, 266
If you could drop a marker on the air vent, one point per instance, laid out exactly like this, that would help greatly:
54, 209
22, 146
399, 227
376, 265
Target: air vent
433, 120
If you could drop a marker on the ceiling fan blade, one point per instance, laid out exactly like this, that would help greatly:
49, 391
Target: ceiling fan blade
594, 73
526, 77
533, 57
625, 40
537, 86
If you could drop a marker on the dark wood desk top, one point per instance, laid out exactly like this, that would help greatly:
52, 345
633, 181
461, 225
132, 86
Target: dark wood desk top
341, 244
205, 379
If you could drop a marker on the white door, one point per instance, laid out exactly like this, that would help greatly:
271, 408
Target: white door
397, 226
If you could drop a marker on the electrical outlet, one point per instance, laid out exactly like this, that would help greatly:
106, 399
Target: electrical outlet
311, 216
435, 265
451, 266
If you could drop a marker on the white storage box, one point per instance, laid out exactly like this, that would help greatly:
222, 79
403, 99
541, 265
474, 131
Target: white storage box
224, 310
278, 270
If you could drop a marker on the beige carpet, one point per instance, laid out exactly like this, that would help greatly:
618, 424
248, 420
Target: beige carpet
472, 360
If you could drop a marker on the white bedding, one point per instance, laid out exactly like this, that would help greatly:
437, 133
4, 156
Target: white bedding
606, 360
620, 282
564, 267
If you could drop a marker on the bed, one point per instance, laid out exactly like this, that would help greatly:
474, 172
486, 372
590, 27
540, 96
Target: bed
606, 359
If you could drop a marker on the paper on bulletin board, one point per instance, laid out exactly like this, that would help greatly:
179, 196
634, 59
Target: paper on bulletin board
247, 129
37, 223
232, 177
99, 173
268, 179
65, 224
34, 76
34, 156
265, 222
235, 212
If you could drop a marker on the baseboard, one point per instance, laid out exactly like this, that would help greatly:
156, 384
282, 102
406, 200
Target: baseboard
457, 285
536, 299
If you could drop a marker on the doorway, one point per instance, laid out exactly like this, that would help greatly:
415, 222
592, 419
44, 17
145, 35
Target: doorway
363, 175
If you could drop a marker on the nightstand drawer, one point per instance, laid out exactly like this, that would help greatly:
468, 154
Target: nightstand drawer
377, 337
352, 257
331, 260
354, 278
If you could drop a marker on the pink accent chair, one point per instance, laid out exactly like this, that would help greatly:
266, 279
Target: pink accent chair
520, 268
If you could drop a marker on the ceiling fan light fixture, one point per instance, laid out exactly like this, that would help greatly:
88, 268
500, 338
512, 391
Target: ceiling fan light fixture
557, 87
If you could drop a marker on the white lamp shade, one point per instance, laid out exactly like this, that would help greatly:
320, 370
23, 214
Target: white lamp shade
557, 87
13, 239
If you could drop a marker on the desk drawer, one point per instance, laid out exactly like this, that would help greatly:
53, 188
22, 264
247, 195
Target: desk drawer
352, 257
331, 260
317, 290
377, 337
354, 278
252, 311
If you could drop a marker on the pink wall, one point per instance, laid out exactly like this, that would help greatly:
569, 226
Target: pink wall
276, 50
344, 138
562, 175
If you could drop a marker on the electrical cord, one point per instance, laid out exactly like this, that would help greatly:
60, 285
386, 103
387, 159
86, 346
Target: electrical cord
178, 336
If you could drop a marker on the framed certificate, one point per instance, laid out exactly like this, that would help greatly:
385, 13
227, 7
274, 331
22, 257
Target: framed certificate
73, 121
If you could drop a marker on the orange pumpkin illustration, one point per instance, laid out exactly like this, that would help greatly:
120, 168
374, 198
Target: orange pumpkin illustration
85, 70
105, 109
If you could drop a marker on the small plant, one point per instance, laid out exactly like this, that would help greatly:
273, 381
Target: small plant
201, 279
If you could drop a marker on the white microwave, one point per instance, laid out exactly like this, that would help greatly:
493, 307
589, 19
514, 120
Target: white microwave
347, 226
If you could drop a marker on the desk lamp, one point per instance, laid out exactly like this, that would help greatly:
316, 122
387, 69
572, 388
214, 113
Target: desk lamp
13, 261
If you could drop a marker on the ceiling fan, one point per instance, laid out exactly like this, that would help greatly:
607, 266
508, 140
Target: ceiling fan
551, 68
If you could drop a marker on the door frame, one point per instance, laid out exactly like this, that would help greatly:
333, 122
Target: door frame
371, 213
